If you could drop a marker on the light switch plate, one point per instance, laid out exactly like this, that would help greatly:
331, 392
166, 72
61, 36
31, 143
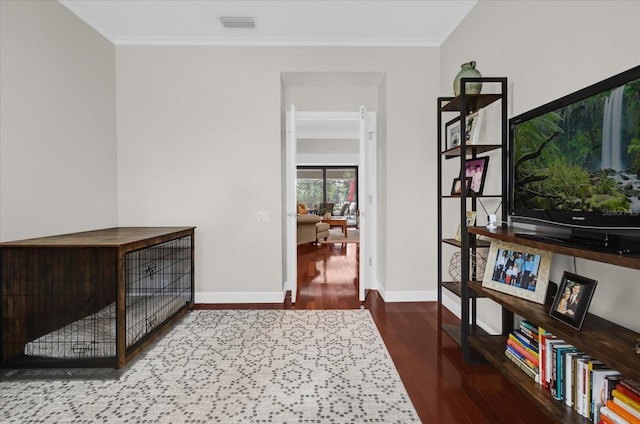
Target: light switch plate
263, 216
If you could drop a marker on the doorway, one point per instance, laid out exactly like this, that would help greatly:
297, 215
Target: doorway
358, 126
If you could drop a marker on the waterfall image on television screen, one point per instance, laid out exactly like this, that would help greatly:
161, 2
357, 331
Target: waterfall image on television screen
582, 156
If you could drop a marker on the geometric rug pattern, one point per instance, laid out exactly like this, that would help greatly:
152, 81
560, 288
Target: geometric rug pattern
229, 366
337, 236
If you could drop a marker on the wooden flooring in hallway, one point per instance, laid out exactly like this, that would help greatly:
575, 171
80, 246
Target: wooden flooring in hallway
442, 388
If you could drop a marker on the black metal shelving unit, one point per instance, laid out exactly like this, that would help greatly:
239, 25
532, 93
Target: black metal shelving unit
459, 108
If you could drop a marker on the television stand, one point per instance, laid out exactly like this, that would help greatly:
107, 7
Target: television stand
605, 340
614, 245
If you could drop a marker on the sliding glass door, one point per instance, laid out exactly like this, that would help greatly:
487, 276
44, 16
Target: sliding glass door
328, 189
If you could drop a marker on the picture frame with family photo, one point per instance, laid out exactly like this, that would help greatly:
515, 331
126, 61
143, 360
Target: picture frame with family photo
476, 169
517, 270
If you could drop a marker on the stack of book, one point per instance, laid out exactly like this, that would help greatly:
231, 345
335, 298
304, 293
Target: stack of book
522, 349
622, 403
582, 382
574, 377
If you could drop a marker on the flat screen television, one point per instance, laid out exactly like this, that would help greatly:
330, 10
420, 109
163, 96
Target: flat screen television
575, 162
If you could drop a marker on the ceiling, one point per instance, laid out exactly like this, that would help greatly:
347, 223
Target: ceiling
277, 22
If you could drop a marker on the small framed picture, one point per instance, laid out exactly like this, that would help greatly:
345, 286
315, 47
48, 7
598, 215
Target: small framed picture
471, 220
573, 299
518, 270
476, 169
452, 132
473, 124
456, 188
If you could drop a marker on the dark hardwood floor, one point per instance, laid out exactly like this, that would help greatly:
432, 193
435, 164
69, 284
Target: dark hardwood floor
442, 388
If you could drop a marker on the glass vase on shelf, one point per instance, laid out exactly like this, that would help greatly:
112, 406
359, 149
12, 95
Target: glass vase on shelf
468, 70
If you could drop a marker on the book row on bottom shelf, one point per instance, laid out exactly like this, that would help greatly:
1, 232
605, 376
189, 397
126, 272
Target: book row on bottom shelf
582, 382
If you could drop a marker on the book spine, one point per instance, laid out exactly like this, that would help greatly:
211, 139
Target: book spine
529, 326
627, 392
547, 359
610, 382
632, 385
591, 366
533, 335
553, 386
521, 350
523, 358
626, 399
631, 411
605, 420
560, 371
526, 346
576, 381
615, 408
612, 416
582, 386
557, 371
521, 365
541, 336
569, 378
526, 341
590, 393
599, 380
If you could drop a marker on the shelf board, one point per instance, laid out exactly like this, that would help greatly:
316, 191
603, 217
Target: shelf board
470, 195
479, 243
470, 149
453, 286
492, 348
608, 342
456, 288
473, 102
455, 331
509, 235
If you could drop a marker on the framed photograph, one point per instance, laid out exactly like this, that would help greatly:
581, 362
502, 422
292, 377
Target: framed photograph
518, 270
452, 132
471, 220
473, 124
456, 188
573, 299
476, 169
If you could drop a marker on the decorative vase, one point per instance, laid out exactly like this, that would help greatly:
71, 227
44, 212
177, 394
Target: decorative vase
468, 70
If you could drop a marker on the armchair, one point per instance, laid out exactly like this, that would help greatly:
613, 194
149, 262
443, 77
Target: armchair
310, 229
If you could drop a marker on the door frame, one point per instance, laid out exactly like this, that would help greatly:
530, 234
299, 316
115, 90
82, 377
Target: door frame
364, 124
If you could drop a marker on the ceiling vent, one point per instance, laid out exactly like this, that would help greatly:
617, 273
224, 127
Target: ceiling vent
237, 22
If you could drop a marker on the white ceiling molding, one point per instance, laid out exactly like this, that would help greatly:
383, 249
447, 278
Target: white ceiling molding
277, 22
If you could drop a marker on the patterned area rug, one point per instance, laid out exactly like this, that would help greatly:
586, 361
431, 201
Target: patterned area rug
230, 366
337, 236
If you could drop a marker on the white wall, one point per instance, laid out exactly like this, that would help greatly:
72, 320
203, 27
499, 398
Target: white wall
327, 97
327, 152
193, 120
199, 143
547, 50
57, 123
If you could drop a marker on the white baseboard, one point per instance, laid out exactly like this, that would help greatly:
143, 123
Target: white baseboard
239, 297
407, 296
